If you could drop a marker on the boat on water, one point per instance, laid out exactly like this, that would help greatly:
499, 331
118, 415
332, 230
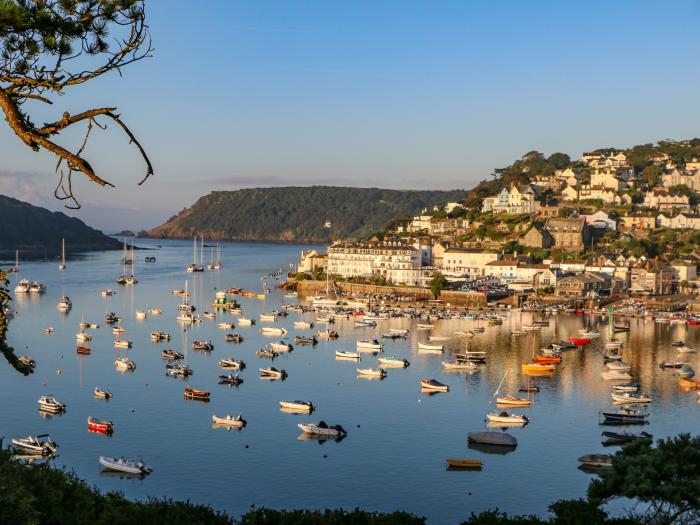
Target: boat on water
233, 338
624, 415
627, 387
460, 364
424, 326
268, 316
617, 438
244, 321
111, 318
64, 304
27, 360
125, 465
579, 341
225, 326
272, 373
266, 353
233, 364
619, 365
537, 368
197, 265
83, 337
122, 343
689, 384
322, 429
507, 418
178, 370
513, 401
298, 405
230, 379
51, 404
203, 344
427, 347
100, 425
616, 375
160, 336
124, 363
102, 394
272, 330
379, 373
22, 287
686, 349
37, 288
586, 333
630, 397
393, 362
304, 325
49, 330
500, 439
229, 421
370, 344
302, 340
141, 314
171, 355
547, 360
433, 385
596, 461
327, 334
191, 393
464, 464
281, 346
340, 354
41, 444
668, 364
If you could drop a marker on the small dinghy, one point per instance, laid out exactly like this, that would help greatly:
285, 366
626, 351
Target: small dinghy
119, 343
439, 338
233, 338
281, 347
49, 330
229, 421
588, 334
269, 316
41, 444
272, 373
51, 404
171, 355
111, 318
125, 465
547, 359
365, 324
340, 354
141, 314
393, 362
209, 315
464, 464
378, 373
433, 385
500, 439
424, 326
118, 329
617, 438
596, 461
83, 337
100, 425
124, 363
326, 320
178, 370
305, 340
506, 418
102, 394
322, 429
689, 384
297, 406
667, 364
225, 326
234, 364
579, 341
244, 321
537, 368
191, 393
369, 344
160, 336
304, 325
513, 401
616, 375
230, 379
203, 345
83, 350
327, 334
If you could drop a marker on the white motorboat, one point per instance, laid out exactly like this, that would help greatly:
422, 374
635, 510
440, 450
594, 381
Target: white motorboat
506, 418
102, 394
36, 445
272, 330
64, 304
225, 326
372, 372
459, 364
618, 365
369, 344
297, 405
22, 286
322, 429
125, 465
50, 404
233, 364
83, 336
393, 362
281, 347
141, 314
685, 349
439, 338
272, 373
424, 326
268, 316
426, 347
492, 438
399, 331
630, 397
107, 293
37, 288
121, 343
124, 363
616, 375
585, 333
244, 321
340, 354
229, 421
118, 329
304, 325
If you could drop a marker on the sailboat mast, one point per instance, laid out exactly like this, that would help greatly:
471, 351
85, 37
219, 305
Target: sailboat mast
194, 250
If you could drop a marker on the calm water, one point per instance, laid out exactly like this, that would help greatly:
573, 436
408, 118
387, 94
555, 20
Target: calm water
398, 439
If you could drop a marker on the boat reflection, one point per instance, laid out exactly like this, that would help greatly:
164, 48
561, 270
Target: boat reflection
305, 436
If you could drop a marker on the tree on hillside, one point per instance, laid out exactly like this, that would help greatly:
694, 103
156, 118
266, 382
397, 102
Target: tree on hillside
50, 46
437, 284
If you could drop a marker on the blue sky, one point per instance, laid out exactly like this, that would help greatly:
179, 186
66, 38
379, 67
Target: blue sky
396, 94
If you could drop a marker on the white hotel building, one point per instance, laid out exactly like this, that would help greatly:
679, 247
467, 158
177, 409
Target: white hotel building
398, 263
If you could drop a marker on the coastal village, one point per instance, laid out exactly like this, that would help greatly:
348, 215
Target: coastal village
598, 228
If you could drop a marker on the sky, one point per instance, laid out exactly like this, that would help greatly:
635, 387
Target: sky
396, 94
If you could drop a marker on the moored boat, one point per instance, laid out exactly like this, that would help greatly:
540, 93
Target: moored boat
102, 394
125, 465
434, 385
229, 421
322, 429
506, 418
596, 461
50, 404
297, 405
191, 393
41, 444
501, 439
100, 425
464, 464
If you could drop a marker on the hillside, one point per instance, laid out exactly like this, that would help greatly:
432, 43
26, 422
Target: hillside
37, 232
298, 213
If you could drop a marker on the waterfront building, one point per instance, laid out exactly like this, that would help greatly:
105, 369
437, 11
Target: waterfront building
471, 262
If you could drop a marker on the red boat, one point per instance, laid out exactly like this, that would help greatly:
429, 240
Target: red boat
693, 322
547, 360
580, 312
578, 341
83, 350
358, 312
99, 425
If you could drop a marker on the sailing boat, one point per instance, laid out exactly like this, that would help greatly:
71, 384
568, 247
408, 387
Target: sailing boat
194, 267
122, 278
211, 264
508, 399
186, 309
132, 278
62, 265
23, 285
217, 264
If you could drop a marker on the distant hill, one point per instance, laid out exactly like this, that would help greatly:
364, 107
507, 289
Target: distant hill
298, 213
36, 232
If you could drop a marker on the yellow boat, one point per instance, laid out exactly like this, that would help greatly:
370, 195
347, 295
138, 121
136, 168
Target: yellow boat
464, 464
537, 368
261, 296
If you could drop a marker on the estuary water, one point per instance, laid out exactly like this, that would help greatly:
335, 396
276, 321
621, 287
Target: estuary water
398, 438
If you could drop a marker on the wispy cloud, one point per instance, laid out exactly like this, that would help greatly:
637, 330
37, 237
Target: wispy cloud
27, 186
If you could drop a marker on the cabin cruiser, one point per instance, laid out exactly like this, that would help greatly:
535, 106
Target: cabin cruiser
22, 286
234, 364
51, 404
64, 304
37, 288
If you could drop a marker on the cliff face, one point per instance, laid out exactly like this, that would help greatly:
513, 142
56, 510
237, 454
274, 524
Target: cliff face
37, 232
298, 214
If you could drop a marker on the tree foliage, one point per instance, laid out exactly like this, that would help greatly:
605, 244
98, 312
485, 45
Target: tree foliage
437, 284
50, 46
